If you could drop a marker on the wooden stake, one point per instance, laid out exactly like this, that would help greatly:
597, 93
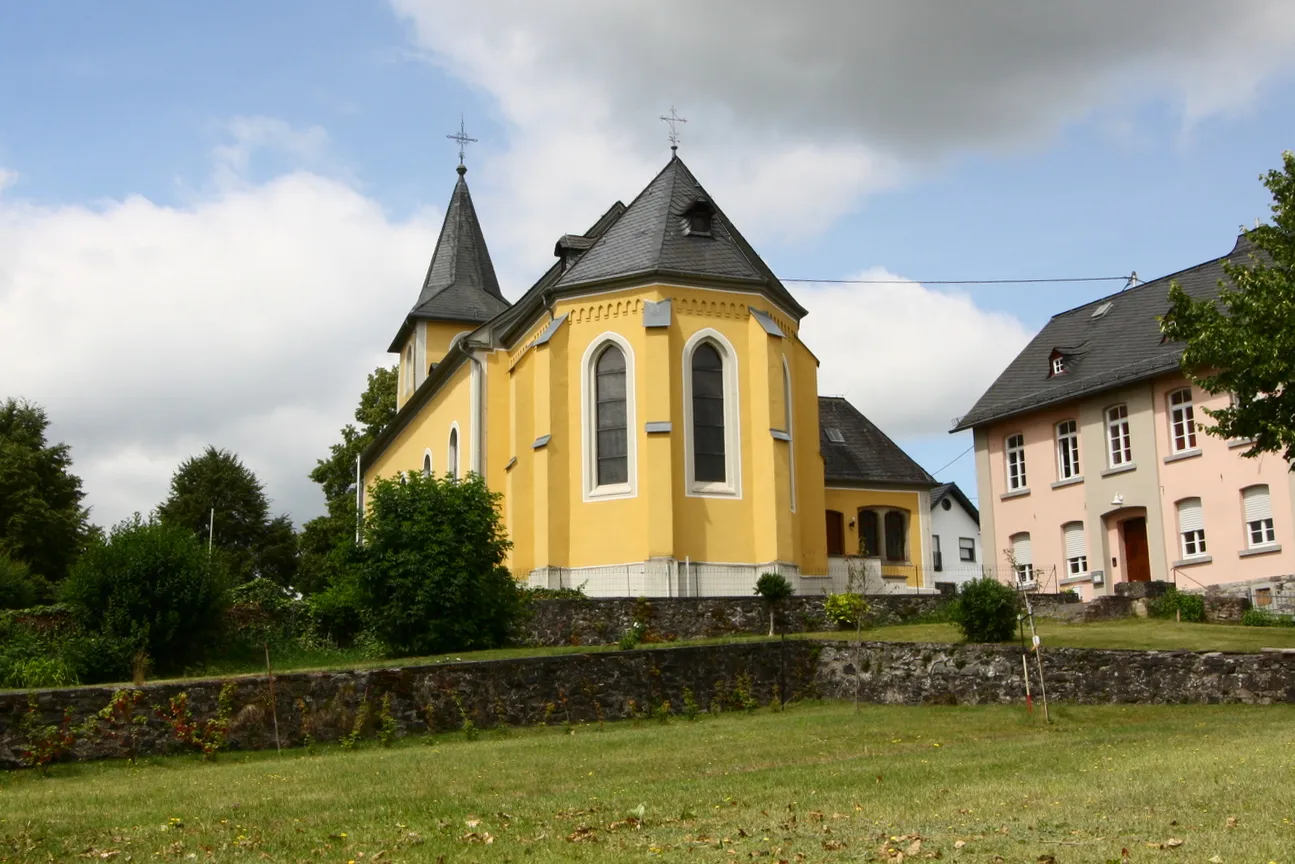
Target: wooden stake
274, 708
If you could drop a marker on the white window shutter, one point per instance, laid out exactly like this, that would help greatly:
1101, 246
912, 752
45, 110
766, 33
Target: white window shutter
1021, 549
1258, 504
1190, 517
1075, 545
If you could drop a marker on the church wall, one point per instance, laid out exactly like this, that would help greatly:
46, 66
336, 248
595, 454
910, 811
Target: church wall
431, 430
810, 537
437, 336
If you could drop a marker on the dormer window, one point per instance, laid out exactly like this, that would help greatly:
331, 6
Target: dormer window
1058, 365
698, 218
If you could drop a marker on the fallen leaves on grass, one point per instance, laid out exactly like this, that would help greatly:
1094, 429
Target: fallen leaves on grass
483, 837
583, 834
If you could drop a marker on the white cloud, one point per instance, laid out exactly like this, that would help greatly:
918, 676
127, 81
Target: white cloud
906, 355
247, 320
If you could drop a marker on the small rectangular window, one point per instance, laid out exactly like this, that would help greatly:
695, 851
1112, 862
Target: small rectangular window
967, 549
937, 558
1258, 516
1067, 450
1015, 451
834, 435
1263, 596
1058, 365
1191, 527
1119, 447
1182, 420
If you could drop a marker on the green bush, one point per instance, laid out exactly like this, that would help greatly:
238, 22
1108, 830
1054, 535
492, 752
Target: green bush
19, 587
1264, 618
336, 613
846, 610
773, 588
1178, 604
430, 575
985, 611
150, 585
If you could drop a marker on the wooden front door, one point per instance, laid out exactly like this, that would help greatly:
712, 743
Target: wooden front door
835, 532
1137, 564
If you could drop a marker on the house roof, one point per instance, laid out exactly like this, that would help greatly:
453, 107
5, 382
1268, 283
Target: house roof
460, 284
865, 454
952, 490
651, 238
1100, 349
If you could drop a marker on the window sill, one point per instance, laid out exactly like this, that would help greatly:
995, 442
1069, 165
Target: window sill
1075, 580
1120, 469
1194, 561
1265, 549
715, 491
610, 492
1015, 493
1240, 442
1186, 454
1069, 481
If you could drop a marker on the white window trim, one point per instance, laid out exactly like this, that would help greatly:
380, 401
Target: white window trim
1267, 524
1189, 438
791, 435
588, 433
732, 487
1058, 365
1126, 437
1007, 462
1067, 443
453, 451
429, 462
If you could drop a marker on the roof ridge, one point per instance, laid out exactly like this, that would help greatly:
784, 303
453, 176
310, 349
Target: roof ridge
1124, 292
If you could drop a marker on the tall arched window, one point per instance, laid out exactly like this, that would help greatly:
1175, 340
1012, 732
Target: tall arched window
607, 410
452, 457
869, 534
791, 438
611, 422
427, 463
712, 441
708, 415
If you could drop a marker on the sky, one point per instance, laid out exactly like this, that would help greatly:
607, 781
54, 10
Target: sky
214, 217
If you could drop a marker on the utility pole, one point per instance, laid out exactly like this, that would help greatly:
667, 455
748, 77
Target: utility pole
211, 530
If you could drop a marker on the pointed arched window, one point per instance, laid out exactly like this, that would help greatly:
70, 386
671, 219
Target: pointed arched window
452, 457
611, 439
708, 415
427, 463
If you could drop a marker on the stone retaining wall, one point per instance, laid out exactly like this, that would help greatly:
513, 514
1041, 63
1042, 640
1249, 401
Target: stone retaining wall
615, 685
603, 620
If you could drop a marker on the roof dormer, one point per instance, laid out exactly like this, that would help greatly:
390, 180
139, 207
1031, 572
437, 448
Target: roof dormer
570, 247
698, 217
1057, 363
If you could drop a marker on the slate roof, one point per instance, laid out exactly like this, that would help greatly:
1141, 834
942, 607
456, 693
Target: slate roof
460, 284
867, 454
952, 490
1119, 347
651, 238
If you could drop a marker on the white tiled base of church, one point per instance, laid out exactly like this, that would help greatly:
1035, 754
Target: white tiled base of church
669, 577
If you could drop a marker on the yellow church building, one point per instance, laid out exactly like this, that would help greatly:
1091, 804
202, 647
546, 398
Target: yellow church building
648, 412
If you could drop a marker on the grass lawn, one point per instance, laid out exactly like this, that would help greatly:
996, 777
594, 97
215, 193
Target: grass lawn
815, 783
1144, 633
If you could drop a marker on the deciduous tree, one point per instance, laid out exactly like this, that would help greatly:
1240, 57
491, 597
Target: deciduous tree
1244, 343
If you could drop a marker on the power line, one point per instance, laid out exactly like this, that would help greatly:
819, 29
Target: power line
954, 459
960, 281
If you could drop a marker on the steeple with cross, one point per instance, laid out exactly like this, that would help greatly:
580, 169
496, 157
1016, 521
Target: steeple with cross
673, 120
462, 137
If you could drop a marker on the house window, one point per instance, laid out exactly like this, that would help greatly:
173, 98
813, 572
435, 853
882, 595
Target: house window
1015, 462
1191, 527
1259, 516
1263, 596
452, 455
1067, 450
1076, 548
967, 549
427, 463
896, 525
1182, 420
699, 222
611, 426
835, 533
937, 559
869, 534
1119, 450
1022, 557
1058, 365
711, 407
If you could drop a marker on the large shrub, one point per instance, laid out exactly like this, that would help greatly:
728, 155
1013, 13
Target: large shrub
985, 611
430, 574
151, 585
846, 610
1177, 604
19, 587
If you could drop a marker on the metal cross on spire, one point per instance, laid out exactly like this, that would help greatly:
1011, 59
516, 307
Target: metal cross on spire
673, 120
462, 137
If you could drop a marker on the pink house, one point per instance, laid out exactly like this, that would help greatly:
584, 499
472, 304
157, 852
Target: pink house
1094, 467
